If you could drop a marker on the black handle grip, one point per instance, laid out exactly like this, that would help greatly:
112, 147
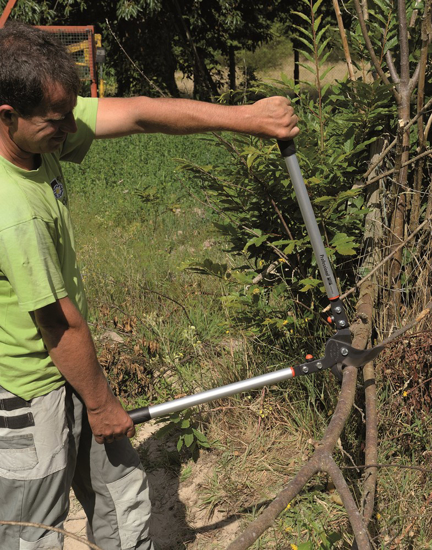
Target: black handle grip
287, 148
140, 415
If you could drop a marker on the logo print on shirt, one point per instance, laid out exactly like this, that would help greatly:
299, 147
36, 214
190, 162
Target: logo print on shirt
58, 190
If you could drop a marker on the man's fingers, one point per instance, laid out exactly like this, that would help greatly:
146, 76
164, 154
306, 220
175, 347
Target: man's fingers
131, 432
100, 438
277, 118
107, 439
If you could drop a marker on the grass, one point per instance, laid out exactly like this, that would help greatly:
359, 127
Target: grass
130, 251
135, 225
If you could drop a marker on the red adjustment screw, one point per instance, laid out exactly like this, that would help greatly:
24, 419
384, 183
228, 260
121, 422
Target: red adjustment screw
330, 320
309, 357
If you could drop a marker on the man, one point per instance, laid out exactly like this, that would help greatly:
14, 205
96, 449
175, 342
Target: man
60, 424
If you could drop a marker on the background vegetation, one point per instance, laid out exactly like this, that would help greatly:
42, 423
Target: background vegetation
207, 41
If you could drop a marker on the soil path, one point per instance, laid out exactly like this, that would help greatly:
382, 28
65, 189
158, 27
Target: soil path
179, 521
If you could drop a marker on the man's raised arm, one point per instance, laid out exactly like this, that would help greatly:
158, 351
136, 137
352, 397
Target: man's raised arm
271, 117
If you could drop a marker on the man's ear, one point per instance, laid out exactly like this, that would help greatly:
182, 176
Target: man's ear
8, 115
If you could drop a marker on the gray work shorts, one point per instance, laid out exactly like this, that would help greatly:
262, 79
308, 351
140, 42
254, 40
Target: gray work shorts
46, 446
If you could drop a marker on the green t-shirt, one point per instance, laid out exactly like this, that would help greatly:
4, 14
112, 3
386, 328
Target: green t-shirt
37, 258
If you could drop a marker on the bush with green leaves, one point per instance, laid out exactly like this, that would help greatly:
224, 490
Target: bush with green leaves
276, 288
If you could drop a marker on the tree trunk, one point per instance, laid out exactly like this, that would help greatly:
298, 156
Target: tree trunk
296, 62
232, 68
202, 78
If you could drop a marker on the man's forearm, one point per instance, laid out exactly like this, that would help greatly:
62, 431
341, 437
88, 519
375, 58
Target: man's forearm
70, 345
73, 352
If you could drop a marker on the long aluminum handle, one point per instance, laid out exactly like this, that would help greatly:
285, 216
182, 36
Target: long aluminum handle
155, 411
288, 151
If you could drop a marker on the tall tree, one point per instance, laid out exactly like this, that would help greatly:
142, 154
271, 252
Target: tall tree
198, 37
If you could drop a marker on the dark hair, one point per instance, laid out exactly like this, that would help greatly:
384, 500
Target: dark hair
31, 60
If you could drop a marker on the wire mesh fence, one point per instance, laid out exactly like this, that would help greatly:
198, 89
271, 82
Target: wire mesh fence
80, 43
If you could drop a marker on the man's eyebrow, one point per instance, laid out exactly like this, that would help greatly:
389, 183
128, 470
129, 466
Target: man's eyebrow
58, 115
55, 116
62, 105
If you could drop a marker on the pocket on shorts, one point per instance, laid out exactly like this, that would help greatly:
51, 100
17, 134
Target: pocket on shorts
130, 495
52, 541
18, 452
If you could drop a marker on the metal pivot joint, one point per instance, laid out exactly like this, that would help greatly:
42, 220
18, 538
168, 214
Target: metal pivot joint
339, 353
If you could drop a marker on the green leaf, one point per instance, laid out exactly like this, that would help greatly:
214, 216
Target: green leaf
316, 6
188, 439
328, 541
308, 56
317, 22
343, 244
307, 68
165, 430
243, 278
325, 73
289, 82
201, 438
324, 44
309, 283
306, 43
250, 160
390, 44
256, 241
303, 16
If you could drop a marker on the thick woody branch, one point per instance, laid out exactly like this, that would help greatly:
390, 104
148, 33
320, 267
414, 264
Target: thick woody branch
392, 68
344, 40
393, 143
371, 449
365, 308
370, 49
356, 520
403, 44
320, 461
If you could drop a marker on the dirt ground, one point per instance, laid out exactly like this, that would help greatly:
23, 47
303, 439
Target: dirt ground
179, 521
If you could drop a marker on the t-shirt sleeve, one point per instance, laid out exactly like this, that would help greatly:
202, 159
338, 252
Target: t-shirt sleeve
76, 145
29, 261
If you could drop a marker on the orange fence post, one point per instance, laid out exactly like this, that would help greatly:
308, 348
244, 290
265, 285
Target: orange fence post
6, 12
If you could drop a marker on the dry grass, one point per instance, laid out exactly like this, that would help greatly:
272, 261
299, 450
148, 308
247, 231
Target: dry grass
338, 72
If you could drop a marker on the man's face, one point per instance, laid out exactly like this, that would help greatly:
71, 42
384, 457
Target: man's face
47, 128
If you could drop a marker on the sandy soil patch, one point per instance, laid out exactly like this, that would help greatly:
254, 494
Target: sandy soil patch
179, 520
